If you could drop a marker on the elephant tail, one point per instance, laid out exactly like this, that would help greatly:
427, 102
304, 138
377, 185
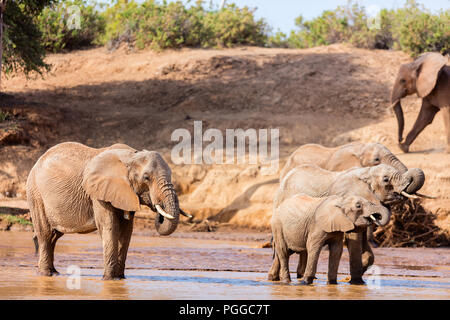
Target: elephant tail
36, 244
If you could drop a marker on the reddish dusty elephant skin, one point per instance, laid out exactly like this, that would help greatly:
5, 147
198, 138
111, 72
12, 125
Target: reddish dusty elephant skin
73, 188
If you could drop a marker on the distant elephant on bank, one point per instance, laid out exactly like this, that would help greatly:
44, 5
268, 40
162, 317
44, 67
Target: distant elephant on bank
344, 157
304, 224
73, 188
429, 77
381, 185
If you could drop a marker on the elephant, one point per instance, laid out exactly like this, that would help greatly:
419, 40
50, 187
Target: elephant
344, 157
381, 184
304, 224
73, 188
429, 77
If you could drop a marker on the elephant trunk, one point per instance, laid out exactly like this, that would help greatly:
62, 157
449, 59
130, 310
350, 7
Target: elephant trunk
169, 203
417, 178
400, 120
393, 161
379, 215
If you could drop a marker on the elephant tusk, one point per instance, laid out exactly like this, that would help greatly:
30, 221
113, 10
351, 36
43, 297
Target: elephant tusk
163, 213
425, 196
393, 104
411, 196
186, 214
372, 217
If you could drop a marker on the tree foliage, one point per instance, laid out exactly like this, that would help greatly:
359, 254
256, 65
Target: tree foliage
22, 46
411, 28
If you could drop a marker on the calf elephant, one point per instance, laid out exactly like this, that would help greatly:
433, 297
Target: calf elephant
429, 77
382, 185
305, 224
343, 157
73, 188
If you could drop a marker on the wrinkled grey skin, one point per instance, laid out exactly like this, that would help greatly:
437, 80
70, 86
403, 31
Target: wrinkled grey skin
348, 156
429, 77
304, 224
344, 157
73, 188
380, 185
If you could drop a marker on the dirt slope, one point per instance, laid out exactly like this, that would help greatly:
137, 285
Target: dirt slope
329, 95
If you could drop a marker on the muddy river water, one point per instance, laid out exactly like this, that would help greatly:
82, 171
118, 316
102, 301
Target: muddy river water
204, 266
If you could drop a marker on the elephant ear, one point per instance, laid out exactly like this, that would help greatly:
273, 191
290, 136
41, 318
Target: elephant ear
106, 179
331, 218
342, 160
427, 67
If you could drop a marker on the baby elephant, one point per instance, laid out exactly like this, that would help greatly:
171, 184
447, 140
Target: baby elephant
304, 224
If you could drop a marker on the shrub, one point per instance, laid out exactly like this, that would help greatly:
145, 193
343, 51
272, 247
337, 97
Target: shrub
174, 25
55, 23
412, 29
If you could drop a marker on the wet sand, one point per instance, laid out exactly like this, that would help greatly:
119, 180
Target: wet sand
210, 266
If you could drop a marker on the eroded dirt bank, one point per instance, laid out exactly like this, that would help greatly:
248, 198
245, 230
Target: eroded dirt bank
329, 95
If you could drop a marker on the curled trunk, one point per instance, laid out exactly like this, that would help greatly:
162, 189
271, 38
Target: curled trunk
417, 178
169, 204
384, 215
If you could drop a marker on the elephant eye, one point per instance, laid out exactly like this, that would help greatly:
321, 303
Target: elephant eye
146, 177
402, 80
358, 205
385, 179
377, 159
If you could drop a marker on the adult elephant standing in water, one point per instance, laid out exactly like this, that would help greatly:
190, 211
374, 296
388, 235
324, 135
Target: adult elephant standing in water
73, 188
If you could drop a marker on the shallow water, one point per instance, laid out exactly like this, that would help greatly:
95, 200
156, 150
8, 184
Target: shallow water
189, 268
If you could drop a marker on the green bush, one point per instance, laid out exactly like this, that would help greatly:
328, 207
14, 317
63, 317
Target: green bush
55, 24
412, 29
417, 30
174, 25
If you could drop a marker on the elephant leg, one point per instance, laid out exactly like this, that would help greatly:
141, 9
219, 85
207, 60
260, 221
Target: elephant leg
44, 235
301, 267
107, 222
282, 253
446, 113
367, 253
46, 244
353, 241
274, 272
369, 236
425, 117
334, 257
125, 231
313, 252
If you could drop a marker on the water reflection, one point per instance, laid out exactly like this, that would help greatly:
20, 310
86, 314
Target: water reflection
157, 273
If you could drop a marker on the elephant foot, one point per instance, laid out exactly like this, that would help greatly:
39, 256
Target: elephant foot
285, 280
404, 147
332, 281
105, 277
49, 272
112, 276
272, 277
357, 281
307, 280
299, 275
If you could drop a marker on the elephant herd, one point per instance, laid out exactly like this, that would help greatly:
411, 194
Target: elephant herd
326, 196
